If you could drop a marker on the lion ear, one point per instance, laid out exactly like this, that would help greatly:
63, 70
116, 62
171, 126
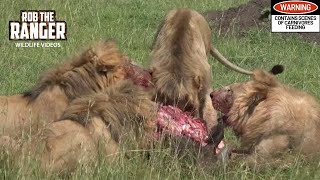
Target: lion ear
108, 62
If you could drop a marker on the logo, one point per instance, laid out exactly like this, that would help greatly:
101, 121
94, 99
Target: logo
37, 25
295, 16
295, 7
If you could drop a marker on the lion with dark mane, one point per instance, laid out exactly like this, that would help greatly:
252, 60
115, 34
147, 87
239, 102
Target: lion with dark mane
93, 71
125, 111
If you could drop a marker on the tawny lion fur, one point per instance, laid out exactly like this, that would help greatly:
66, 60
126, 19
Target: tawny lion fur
93, 71
180, 70
271, 118
124, 111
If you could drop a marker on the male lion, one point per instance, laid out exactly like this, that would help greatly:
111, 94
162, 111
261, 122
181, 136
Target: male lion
93, 71
270, 118
124, 112
180, 70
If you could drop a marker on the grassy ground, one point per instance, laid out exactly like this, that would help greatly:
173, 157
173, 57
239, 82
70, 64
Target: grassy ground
133, 23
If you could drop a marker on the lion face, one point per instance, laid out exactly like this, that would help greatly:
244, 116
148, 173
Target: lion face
223, 98
138, 75
128, 70
115, 66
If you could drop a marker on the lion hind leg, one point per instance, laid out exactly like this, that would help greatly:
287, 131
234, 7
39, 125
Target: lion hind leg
67, 145
266, 149
272, 145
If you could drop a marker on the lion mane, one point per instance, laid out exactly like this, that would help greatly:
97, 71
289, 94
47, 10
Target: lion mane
124, 112
82, 75
97, 68
270, 118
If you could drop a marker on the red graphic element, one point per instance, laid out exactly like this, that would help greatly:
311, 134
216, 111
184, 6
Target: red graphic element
295, 7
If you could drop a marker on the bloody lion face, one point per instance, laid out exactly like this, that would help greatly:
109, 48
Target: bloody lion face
138, 75
222, 99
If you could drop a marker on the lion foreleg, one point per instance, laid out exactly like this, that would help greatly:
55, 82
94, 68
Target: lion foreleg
210, 115
102, 136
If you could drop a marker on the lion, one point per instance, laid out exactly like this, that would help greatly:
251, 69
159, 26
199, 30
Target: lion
91, 72
124, 111
270, 118
179, 64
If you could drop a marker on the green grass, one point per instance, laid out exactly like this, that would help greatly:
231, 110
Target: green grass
133, 24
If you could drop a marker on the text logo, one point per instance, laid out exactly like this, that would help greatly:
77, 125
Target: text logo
37, 25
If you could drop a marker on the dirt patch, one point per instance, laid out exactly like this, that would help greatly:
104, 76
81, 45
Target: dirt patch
239, 20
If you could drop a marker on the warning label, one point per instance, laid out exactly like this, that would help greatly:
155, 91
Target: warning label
295, 23
295, 16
